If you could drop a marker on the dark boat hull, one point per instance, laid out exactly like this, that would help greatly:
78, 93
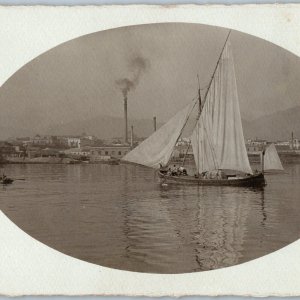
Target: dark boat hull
6, 181
249, 181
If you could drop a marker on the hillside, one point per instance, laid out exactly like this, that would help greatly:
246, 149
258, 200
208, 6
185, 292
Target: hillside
277, 126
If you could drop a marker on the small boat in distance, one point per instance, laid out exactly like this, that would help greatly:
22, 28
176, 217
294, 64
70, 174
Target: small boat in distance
217, 139
5, 180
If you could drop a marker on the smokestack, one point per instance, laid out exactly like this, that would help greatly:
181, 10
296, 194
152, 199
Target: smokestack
131, 137
126, 122
154, 123
292, 140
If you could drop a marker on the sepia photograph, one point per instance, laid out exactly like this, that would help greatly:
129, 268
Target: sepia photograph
159, 148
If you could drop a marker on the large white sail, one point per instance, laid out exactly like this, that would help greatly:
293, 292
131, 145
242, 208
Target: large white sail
218, 139
158, 147
271, 159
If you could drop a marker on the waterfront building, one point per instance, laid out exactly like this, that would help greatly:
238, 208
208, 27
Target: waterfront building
183, 149
78, 153
282, 146
84, 142
50, 152
255, 146
41, 140
72, 141
33, 152
8, 150
108, 151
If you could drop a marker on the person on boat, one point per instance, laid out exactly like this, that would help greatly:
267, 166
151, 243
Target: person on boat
174, 171
204, 174
182, 171
179, 170
163, 169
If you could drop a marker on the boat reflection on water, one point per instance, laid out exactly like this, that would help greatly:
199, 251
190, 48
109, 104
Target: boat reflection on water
190, 229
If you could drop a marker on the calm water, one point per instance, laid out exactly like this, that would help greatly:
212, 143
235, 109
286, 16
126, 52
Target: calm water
121, 217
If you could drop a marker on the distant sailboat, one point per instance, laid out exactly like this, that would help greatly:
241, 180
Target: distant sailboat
217, 139
272, 162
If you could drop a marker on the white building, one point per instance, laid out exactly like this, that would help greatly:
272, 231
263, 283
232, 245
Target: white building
73, 142
77, 152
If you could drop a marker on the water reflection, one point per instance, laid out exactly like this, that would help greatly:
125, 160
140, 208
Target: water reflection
263, 210
121, 217
207, 224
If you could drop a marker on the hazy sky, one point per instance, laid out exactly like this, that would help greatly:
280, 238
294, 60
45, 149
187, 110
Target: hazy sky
77, 80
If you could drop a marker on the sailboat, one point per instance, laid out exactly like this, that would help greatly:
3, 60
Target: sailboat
271, 160
217, 139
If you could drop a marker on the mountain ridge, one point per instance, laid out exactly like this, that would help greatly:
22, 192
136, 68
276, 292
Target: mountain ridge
273, 127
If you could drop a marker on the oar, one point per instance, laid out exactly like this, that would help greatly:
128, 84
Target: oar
19, 179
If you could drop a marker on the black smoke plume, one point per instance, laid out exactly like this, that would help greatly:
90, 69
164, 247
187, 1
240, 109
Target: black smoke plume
137, 67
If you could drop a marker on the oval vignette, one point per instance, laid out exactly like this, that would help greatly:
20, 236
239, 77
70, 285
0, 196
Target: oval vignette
70, 100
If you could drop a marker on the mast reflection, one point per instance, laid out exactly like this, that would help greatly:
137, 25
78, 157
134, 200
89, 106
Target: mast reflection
175, 229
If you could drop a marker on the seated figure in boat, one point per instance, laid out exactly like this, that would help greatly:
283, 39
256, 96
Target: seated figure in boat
163, 168
174, 171
203, 174
182, 171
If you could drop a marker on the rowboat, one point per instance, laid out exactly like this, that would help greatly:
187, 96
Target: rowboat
6, 180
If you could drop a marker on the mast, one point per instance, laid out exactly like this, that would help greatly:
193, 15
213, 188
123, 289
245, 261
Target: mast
199, 95
199, 112
213, 75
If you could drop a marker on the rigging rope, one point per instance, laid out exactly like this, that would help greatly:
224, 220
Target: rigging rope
182, 130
